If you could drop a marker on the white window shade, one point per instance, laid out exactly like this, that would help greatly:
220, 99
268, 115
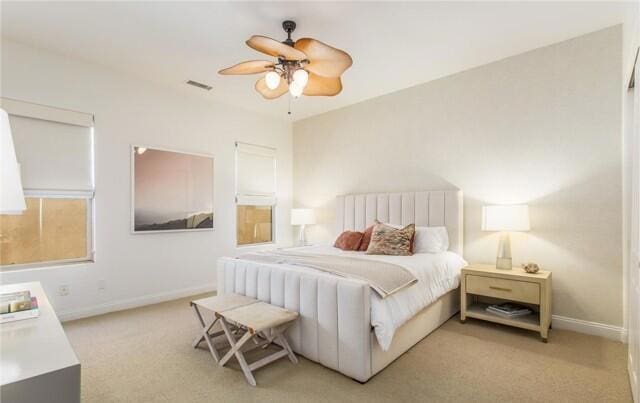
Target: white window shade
255, 175
53, 155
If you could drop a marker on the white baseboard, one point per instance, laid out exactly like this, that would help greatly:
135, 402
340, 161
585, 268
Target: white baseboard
616, 333
133, 302
559, 322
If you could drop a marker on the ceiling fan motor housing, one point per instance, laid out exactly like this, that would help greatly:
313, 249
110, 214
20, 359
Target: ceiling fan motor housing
288, 26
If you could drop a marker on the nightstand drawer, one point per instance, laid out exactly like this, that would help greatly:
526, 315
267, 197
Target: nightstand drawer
520, 291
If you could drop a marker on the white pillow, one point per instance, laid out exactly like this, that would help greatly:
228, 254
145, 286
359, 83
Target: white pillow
428, 239
431, 240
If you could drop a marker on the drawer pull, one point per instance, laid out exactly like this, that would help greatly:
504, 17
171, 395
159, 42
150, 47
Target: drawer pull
500, 288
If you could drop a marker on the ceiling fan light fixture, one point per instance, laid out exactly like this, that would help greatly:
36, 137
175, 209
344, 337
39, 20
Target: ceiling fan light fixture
272, 79
295, 89
301, 77
305, 66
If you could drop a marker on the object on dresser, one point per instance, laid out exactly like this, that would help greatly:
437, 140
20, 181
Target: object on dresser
509, 310
15, 301
530, 268
27, 313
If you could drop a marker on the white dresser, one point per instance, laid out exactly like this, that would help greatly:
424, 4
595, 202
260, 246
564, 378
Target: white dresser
37, 363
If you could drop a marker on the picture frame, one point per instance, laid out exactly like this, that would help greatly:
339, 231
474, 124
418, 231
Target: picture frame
171, 190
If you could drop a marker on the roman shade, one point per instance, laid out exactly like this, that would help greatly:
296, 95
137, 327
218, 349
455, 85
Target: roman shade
255, 174
53, 146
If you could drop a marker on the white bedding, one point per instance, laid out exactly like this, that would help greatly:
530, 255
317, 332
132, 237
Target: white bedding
437, 274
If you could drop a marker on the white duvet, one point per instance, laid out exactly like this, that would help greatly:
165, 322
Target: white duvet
437, 274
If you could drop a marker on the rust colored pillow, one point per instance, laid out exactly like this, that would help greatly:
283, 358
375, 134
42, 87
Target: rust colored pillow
349, 240
366, 238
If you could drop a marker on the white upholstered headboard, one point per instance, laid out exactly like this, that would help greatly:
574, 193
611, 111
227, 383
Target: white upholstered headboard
428, 208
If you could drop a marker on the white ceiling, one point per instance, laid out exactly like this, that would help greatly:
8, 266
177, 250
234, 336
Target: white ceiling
394, 45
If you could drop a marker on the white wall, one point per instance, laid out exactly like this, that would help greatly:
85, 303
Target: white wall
630, 41
542, 128
631, 199
141, 268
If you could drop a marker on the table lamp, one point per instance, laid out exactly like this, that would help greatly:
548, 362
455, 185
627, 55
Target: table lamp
302, 217
505, 219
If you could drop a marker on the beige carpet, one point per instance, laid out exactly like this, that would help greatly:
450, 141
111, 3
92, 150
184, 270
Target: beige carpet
145, 355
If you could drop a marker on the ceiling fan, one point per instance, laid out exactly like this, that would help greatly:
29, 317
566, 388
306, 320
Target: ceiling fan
304, 67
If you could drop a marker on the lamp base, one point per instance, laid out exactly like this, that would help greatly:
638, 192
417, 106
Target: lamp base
503, 263
503, 260
302, 241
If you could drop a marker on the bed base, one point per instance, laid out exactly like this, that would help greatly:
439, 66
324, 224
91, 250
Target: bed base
334, 327
416, 329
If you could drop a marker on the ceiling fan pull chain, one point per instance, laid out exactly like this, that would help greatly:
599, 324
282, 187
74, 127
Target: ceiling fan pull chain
289, 112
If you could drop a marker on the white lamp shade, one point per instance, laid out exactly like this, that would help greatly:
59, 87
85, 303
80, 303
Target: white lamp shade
302, 216
272, 79
301, 77
11, 194
505, 218
295, 89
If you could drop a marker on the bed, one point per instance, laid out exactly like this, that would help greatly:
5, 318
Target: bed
343, 325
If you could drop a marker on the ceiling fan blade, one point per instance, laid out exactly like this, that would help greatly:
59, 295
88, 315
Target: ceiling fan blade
250, 67
267, 93
322, 86
275, 48
324, 60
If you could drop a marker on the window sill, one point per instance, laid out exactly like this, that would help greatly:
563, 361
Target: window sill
28, 267
256, 245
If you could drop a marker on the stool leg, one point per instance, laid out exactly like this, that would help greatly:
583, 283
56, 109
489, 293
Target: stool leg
245, 368
205, 335
198, 339
235, 345
285, 345
236, 350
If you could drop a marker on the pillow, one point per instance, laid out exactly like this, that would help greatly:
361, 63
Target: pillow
349, 240
431, 240
428, 239
387, 240
396, 226
366, 238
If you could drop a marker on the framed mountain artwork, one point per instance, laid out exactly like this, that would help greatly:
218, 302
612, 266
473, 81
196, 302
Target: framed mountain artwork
170, 191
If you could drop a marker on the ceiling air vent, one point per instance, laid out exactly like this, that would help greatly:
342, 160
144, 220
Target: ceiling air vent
200, 85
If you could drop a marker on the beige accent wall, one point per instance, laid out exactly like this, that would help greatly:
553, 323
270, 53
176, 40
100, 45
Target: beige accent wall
542, 128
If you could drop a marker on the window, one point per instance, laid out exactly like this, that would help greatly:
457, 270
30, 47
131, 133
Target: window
255, 194
254, 224
54, 148
50, 229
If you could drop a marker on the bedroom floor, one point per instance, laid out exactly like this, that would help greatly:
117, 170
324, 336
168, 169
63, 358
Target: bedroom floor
145, 355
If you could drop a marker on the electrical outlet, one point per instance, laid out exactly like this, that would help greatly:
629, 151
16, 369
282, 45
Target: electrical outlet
63, 290
102, 285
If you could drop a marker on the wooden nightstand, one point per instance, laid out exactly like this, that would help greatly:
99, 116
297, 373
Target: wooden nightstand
484, 284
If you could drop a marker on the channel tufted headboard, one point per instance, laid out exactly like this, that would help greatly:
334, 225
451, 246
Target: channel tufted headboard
428, 208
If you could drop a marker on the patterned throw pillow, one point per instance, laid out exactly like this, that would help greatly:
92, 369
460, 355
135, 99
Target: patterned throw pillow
364, 245
349, 240
387, 240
